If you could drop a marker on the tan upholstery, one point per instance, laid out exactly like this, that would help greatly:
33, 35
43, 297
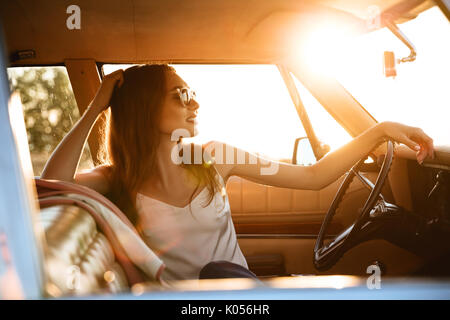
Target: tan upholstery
258, 208
78, 258
249, 197
297, 256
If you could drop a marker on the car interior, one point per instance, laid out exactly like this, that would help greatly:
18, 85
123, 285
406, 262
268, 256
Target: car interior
387, 211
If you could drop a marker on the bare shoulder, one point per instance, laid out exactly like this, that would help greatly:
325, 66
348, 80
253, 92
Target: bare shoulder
96, 178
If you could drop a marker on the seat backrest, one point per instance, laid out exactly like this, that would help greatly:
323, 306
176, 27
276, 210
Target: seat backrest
90, 245
78, 258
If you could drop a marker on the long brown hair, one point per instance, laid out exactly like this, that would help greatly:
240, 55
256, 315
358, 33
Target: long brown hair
131, 133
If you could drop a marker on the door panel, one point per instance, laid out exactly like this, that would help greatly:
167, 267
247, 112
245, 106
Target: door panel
263, 209
297, 255
277, 228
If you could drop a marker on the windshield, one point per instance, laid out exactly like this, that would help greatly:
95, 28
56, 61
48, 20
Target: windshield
418, 95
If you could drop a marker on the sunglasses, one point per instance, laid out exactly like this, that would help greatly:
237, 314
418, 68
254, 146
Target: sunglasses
186, 95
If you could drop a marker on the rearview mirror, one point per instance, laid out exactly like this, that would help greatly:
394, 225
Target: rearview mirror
389, 64
389, 57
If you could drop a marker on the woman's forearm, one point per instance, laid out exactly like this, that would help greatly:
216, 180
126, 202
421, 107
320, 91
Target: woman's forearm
63, 162
336, 163
328, 169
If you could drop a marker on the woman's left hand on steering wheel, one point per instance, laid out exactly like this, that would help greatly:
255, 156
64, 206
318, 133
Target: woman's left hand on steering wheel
414, 138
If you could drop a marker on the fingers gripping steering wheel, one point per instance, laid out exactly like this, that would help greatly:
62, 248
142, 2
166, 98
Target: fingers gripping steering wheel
325, 256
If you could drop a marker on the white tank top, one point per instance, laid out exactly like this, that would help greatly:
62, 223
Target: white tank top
187, 241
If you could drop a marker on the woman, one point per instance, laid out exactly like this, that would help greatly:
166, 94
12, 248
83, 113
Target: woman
181, 209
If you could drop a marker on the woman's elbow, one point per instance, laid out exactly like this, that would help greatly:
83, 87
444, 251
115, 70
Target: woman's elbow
317, 180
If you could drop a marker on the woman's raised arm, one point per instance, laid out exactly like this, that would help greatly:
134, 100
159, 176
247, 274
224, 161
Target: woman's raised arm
329, 168
63, 162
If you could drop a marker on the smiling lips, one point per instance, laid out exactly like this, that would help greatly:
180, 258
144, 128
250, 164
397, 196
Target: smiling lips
192, 119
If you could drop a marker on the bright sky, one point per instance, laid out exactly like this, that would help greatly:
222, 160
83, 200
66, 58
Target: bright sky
248, 105
418, 95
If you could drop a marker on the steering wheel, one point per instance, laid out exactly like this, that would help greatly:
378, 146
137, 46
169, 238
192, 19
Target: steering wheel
325, 256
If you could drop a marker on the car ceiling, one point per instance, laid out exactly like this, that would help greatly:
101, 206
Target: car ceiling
196, 31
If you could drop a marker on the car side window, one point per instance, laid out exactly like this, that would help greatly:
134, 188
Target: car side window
247, 106
50, 110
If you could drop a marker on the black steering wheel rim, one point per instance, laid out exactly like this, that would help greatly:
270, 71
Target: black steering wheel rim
326, 256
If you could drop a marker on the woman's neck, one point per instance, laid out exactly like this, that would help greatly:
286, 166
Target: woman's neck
168, 174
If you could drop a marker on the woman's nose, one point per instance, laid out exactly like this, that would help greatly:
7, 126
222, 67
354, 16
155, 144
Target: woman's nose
194, 105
